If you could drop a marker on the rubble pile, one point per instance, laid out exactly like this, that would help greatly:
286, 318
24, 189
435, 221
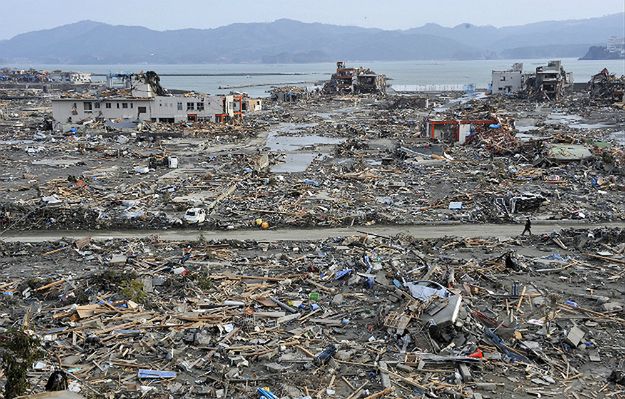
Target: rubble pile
288, 93
607, 87
311, 300
319, 162
353, 316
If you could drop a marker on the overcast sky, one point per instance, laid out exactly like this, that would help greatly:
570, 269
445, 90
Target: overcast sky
27, 15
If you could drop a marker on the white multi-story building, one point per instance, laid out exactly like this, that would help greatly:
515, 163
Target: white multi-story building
145, 100
69, 77
508, 82
616, 45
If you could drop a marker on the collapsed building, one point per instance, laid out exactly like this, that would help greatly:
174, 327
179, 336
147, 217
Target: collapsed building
288, 94
548, 82
142, 98
607, 87
355, 81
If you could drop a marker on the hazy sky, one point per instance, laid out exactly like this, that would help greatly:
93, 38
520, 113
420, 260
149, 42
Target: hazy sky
27, 15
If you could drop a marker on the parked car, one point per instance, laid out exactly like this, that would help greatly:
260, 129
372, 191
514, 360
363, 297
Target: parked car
195, 215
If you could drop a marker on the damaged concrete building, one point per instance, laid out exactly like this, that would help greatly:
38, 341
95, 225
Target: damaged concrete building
288, 94
454, 130
508, 82
355, 81
548, 82
142, 98
69, 77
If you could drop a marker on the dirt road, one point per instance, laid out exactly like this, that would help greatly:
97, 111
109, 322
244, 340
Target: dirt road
418, 231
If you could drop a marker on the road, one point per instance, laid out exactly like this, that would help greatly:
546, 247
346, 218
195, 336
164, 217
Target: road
291, 234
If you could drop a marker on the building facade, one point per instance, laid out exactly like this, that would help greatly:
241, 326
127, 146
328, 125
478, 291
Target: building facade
453, 130
549, 81
74, 110
169, 109
616, 45
69, 77
142, 99
508, 82
355, 81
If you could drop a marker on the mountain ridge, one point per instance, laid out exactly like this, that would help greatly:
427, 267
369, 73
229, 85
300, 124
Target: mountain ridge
287, 40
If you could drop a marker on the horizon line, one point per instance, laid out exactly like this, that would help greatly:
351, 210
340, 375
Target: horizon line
309, 23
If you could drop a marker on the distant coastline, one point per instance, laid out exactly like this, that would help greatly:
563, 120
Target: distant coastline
415, 72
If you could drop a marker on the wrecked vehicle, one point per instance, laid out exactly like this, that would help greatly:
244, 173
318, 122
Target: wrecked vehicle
195, 216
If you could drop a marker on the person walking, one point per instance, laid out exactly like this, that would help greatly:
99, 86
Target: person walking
528, 227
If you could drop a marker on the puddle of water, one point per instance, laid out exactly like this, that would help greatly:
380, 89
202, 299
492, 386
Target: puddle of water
525, 137
325, 115
294, 143
330, 115
619, 137
294, 162
525, 129
573, 121
565, 119
382, 144
281, 140
525, 125
589, 126
290, 127
424, 150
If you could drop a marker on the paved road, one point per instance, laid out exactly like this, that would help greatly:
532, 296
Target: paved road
285, 234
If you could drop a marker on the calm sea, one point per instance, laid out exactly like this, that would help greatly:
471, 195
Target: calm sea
400, 72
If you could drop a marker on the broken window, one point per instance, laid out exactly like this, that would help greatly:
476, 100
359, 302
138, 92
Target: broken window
503, 78
96, 105
179, 106
190, 106
87, 105
200, 106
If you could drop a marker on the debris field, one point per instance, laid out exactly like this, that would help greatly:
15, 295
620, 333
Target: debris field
350, 316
